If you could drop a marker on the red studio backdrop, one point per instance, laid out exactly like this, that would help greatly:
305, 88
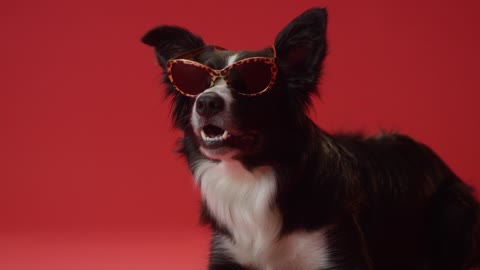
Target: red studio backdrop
88, 174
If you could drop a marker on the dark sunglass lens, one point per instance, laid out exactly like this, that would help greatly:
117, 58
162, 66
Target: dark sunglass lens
189, 78
250, 77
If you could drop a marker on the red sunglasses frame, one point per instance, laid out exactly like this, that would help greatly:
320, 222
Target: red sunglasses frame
222, 73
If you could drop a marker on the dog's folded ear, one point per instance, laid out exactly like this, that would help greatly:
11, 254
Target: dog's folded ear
170, 41
301, 45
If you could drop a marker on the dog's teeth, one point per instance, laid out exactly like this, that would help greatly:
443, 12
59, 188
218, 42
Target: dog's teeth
204, 136
224, 136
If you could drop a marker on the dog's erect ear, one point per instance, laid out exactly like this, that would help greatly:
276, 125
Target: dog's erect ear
170, 41
301, 45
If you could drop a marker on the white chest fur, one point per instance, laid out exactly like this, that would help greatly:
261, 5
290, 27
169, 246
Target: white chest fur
241, 200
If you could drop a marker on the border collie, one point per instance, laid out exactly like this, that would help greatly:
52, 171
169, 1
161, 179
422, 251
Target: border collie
280, 193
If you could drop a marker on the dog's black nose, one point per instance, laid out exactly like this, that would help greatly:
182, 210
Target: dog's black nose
209, 104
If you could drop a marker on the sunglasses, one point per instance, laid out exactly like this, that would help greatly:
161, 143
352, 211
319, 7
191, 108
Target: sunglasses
249, 77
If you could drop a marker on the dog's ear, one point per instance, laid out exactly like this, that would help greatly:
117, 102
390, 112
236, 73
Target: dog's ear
301, 46
170, 41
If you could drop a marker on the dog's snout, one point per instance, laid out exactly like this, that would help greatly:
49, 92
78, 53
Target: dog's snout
209, 104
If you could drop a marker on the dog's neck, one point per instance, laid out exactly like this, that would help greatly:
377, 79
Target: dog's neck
236, 198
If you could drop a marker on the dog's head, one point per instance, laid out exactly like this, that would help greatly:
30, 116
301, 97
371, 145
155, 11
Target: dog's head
242, 103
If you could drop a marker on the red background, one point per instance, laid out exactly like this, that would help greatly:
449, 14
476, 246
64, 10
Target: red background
88, 177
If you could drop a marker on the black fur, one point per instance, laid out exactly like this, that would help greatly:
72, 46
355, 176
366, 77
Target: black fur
393, 201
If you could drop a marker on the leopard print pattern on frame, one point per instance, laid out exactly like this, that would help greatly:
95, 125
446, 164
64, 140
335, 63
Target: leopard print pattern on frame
223, 73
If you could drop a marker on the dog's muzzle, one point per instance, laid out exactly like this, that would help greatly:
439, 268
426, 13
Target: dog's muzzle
215, 127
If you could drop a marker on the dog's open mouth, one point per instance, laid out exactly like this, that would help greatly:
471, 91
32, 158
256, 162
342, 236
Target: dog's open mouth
214, 137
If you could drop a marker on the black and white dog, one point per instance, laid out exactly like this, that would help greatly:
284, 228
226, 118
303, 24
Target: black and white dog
280, 193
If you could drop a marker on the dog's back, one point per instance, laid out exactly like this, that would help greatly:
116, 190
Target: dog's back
415, 211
